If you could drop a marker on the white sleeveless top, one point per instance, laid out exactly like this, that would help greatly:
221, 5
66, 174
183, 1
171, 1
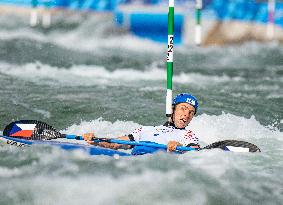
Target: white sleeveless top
163, 134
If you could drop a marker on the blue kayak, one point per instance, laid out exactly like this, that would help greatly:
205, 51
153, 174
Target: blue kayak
92, 150
33, 132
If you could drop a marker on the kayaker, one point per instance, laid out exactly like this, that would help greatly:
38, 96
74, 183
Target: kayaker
173, 133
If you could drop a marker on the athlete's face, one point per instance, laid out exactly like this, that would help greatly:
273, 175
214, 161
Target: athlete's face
183, 115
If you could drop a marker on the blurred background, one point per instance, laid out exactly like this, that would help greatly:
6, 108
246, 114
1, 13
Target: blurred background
221, 21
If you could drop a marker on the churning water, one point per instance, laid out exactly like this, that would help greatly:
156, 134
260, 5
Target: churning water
85, 76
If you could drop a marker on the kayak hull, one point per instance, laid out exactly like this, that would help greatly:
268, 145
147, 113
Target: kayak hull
92, 150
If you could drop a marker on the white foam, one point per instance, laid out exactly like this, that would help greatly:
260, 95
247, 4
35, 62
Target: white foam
102, 128
125, 42
96, 189
23, 33
212, 128
97, 75
209, 128
7, 172
275, 95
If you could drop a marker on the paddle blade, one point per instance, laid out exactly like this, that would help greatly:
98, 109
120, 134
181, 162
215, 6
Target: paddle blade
31, 130
234, 146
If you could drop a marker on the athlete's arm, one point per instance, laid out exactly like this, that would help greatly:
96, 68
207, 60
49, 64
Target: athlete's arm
114, 145
89, 137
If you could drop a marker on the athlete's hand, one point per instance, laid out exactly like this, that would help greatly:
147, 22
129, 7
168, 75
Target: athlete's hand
89, 137
172, 145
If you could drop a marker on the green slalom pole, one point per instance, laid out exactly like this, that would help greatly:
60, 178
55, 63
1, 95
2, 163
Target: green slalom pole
170, 58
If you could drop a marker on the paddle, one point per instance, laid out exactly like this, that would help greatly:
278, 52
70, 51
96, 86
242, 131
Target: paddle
37, 130
132, 143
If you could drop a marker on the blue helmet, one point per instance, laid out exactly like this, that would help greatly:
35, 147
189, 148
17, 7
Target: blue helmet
186, 98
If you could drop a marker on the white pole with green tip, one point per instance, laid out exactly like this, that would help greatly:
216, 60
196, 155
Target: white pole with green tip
33, 13
270, 23
46, 14
198, 7
170, 58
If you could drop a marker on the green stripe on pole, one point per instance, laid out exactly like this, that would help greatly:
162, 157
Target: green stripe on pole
198, 16
198, 35
171, 21
169, 75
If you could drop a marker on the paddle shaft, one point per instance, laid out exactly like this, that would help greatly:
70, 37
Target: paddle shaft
132, 143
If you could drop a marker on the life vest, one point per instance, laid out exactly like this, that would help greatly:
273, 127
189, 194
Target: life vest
161, 135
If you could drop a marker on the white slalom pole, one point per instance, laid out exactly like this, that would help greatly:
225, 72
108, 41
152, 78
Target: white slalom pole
198, 28
33, 14
170, 59
270, 25
33, 17
46, 18
46, 15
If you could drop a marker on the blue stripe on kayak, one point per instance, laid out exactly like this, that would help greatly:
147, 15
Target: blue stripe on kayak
92, 150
